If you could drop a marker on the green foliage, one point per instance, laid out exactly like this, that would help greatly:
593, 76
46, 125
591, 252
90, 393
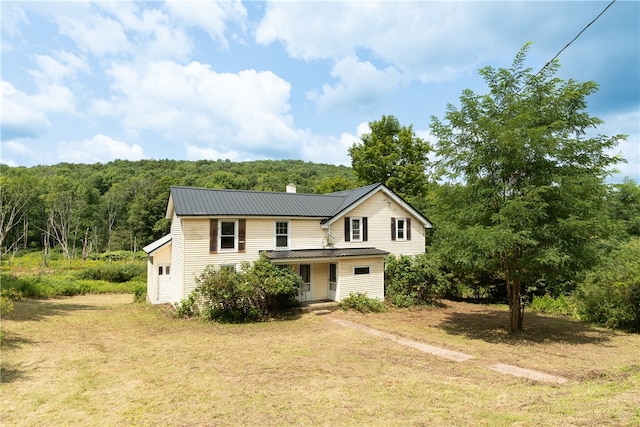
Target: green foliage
120, 205
361, 302
413, 280
62, 284
610, 294
114, 273
254, 293
7, 297
548, 304
530, 207
140, 292
394, 155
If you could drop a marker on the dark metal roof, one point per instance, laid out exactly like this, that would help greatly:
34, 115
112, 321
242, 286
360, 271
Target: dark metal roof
324, 253
190, 201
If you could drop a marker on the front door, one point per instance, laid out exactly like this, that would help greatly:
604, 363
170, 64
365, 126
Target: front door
164, 280
305, 288
333, 281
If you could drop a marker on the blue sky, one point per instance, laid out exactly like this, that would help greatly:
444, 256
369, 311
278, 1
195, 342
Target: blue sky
87, 82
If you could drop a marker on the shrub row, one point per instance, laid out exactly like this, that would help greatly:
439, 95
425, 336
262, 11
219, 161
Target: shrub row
362, 303
114, 273
53, 285
413, 280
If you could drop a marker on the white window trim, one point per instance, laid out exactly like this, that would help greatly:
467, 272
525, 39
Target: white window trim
275, 235
235, 236
359, 219
404, 222
361, 266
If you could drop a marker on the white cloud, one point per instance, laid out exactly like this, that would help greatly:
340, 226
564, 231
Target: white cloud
98, 149
13, 17
625, 123
361, 85
207, 153
244, 111
211, 17
95, 34
23, 115
61, 66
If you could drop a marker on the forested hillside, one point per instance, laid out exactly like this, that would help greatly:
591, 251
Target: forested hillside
121, 205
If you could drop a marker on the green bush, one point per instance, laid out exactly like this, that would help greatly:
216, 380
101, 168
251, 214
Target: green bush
65, 284
610, 294
140, 293
114, 273
413, 280
254, 293
361, 302
547, 304
7, 297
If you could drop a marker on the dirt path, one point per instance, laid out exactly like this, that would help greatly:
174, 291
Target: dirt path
452, 355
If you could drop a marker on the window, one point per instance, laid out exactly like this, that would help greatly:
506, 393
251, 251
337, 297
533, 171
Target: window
401, 229
362, 270
167, 270
282, 234
355, 229
227, 235
160, 271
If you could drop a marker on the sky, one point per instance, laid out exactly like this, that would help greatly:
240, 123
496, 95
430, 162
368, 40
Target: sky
91, 82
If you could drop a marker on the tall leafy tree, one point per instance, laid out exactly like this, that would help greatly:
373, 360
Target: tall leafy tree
394, 155
530, 205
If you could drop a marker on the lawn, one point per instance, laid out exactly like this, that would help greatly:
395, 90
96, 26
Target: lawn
102, 360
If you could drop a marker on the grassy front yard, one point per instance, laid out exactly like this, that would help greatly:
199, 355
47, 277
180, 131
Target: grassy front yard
101, 360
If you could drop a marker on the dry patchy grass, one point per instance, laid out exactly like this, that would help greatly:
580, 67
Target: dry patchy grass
101, 360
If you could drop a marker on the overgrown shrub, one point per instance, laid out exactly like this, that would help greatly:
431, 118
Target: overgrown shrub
548, 304
140, 293
114, 273
362, 303
7, 297
255, 292
610, 294
66, 284
412, 280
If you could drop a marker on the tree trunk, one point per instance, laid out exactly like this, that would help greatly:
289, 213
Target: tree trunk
515, 306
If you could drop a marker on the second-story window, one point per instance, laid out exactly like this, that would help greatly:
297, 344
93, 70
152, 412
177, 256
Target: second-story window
356, 230
227, 235
282, 234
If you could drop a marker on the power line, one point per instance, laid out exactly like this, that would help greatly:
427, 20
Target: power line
566, 46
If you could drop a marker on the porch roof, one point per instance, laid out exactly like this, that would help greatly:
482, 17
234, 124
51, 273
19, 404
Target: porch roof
324, 253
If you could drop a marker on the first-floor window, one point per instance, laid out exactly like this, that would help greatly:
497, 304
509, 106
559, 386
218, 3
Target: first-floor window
362, 270
227, 234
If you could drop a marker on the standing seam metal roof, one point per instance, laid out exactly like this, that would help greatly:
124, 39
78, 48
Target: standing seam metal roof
190, 201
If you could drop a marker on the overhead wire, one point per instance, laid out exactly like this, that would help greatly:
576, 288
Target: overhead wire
565, 46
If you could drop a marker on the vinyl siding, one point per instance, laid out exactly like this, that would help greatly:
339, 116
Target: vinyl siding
372, 284
177, 260
379, 210
160, 257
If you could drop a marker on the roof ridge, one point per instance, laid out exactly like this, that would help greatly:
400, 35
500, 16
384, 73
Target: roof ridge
186, 187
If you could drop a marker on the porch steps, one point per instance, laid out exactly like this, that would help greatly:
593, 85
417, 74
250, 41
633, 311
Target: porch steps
319, 307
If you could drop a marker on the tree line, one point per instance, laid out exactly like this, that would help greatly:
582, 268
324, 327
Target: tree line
120, 205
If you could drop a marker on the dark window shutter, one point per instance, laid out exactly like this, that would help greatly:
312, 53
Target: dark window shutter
213, 236
408, 228
393, 229
347, 229
365, 229
242, 231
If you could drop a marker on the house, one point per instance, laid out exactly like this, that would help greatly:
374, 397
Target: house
336, 242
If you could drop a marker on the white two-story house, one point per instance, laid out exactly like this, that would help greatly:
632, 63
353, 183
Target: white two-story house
336, 242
